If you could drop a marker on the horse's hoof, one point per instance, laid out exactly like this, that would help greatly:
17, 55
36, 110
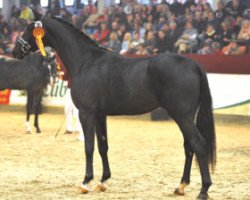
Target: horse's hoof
181, 189
84, 189
38, 130
28, 132
179, 192
101, 187
202, 196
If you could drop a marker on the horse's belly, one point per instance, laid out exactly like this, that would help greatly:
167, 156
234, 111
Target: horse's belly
135, 106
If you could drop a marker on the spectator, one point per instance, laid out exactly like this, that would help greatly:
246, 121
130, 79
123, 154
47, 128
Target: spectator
164, 11
162, 21
244, 35
105, 11
65, 15
121, 32
114, 44
216, 48
102, 34
174, 34
210, 33
148, 27
121, 15
234, 49
234, 8
187, 18
112, 13
188, 3
165, 28
15, 12
144, 14
207, 47
26, 13
212, 20
199, 6
140, 29
206, 9
162, 43
176, 8
76, 22
137, 18
141, 50
137, 39
150, 41
199, 23
114, 26
236, 25
126, 43
84, 14
220, 13
225, 35
129, 8
130, 22
90, 25
187, 41
54, 7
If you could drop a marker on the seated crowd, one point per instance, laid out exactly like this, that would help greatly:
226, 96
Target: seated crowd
133, 28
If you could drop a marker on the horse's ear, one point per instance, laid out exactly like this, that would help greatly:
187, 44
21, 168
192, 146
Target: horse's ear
37, 15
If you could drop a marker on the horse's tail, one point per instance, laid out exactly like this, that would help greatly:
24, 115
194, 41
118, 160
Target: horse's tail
205, 119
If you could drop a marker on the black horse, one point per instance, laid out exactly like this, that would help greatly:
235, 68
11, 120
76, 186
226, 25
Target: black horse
31, 74
105, 83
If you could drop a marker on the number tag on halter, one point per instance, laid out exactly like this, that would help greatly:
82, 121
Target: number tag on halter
38, 33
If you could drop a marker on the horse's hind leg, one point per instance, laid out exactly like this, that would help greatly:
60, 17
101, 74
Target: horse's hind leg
197, 144
101, 132
185, 180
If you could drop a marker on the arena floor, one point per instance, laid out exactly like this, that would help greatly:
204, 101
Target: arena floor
146, 160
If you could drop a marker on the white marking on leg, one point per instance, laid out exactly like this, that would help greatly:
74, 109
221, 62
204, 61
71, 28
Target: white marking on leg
85, 188
101, 187
27, 125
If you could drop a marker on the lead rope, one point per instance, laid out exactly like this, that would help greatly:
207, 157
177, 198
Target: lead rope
60, 127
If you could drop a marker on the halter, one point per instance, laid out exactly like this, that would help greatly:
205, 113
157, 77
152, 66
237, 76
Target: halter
24, 46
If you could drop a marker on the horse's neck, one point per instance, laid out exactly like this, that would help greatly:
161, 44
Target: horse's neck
69, 45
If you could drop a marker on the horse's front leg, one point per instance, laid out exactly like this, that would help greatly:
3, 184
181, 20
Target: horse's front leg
29, 106
37, 106
101, 132
87, 121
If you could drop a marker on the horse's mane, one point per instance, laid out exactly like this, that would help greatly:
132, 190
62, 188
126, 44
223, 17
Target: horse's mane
86, 37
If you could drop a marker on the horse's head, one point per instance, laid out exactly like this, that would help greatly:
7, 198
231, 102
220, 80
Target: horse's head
27, 42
